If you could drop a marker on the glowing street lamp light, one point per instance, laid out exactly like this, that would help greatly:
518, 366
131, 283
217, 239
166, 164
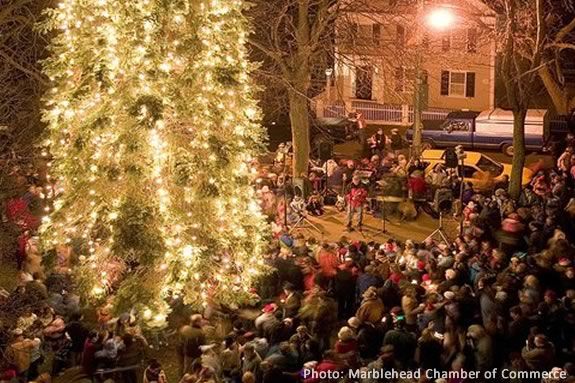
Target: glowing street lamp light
441, 18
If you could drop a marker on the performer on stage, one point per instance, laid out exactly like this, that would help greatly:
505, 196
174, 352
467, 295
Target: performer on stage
356, 195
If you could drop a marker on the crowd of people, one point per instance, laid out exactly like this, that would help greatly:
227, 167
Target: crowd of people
500, 295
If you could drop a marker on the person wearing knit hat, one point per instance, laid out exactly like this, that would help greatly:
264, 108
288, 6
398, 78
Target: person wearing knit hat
346, 344
450, 274
426, 279
371, 309
420, 265
449, 295
354, 323
345, 334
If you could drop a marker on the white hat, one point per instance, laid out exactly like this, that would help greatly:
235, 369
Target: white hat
17, 331
207, 347
449, 295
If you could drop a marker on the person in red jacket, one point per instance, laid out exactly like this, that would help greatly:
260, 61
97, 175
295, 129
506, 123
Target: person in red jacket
356, 195
417, 185
328, 261
327, 365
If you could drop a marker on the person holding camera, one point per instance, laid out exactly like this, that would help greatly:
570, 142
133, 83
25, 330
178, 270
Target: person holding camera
538, 353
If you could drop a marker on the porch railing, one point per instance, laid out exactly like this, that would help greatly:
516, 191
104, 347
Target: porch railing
393, 114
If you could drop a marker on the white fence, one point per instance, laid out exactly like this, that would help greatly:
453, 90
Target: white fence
393, 114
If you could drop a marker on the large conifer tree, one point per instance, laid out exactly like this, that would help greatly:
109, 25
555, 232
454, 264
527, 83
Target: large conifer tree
152, 126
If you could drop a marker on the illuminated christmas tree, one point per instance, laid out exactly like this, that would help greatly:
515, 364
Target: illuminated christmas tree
152, 127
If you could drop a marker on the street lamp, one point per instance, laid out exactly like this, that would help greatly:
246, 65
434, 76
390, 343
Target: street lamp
440, 19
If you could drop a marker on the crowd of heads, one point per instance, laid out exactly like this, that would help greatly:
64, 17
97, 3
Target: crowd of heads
499, 295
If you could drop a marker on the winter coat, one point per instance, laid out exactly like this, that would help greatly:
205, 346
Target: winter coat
404, 344
371, 310
328, 262
189, 341
539, 359
19, 353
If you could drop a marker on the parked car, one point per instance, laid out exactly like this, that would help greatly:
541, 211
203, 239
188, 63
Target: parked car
482, 171
490, 129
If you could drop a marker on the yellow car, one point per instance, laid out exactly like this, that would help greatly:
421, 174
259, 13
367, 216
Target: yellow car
480, 170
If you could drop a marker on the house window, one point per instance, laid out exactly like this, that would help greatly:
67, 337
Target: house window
364, 82
457, 84
365, 34
352, 32
404, 78
471, 43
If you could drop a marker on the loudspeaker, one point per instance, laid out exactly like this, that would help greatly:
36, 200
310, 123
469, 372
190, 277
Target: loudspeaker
443, 200
325, 150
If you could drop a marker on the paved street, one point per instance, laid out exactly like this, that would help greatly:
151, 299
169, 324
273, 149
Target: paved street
332, 224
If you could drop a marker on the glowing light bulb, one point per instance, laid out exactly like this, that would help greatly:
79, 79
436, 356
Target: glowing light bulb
147, 314
187, 251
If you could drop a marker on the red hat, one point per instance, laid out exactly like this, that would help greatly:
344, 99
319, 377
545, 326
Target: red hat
420, 265
564, 262
270, 308
426, 278
395, 310
395, 277
550, 294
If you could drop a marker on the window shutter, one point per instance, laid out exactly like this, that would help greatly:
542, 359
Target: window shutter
400, 36
376, 34
444, 83
470, 84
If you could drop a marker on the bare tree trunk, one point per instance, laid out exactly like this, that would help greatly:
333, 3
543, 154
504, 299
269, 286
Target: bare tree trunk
560, 97
298, 113
518, 163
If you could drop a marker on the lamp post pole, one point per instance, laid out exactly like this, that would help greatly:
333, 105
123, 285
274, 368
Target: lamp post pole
328, 74
418, 88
